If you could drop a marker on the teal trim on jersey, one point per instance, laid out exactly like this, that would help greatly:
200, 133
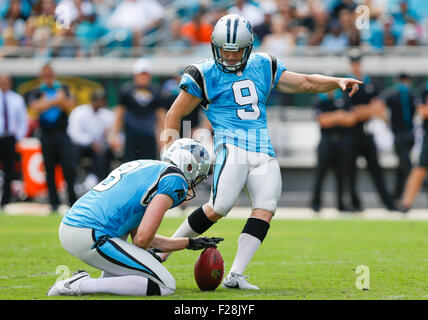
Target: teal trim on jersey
112, 252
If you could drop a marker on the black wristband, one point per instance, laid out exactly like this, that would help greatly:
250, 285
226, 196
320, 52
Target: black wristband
190, 243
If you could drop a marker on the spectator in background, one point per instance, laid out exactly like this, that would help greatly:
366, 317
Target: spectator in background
198, 30
317, 25
88, 128
41, 43
418, 173
400, 101
217, 10
137, 17
411, 34
13, 127
383, 32
376, 7
10, 47
269, 9
51, 101
76, 11
347, 22
405, 14
88, 32
343, 4
15, 8
390, 36
175, 41
43, 16
336, 40
15, 18
280, 42
248, 10
186, 9
65, 44
140, 115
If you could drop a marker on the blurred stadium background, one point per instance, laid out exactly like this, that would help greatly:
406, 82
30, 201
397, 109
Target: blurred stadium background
92, 43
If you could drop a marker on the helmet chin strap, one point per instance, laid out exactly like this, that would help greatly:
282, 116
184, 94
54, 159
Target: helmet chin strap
233, 67
223, 66
191, 193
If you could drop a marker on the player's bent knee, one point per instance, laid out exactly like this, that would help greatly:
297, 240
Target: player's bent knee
222, 210
262, 214
269, 206
213, 214
165, 291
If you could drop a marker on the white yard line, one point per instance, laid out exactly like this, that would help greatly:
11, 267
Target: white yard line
325, 214
37, 209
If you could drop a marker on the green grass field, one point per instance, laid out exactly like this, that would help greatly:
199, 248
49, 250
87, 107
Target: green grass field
300, 259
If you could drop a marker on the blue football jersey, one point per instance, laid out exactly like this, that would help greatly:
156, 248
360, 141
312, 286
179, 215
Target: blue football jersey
235, 104
117, 204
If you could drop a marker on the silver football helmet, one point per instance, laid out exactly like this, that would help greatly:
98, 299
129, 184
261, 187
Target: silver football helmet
192, 158
232, 33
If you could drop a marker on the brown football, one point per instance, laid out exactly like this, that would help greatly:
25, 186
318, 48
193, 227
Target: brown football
209, 269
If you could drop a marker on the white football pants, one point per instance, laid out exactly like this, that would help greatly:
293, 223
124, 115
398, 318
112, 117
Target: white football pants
114, 256
235, 168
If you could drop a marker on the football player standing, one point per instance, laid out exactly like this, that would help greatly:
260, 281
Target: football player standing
232, 88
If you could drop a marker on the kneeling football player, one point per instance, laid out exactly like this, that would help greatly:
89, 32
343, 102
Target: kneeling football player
132, 200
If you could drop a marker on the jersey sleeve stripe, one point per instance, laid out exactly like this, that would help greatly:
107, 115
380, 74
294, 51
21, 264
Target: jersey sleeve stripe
171, 170
274, 66
172, 174
194, 81
195, 75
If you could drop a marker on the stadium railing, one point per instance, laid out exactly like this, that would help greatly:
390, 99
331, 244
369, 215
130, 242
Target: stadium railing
413, 60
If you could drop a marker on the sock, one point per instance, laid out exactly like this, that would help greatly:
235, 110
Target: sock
195, 224
198, 221
185, 230
249, 241
123, 285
